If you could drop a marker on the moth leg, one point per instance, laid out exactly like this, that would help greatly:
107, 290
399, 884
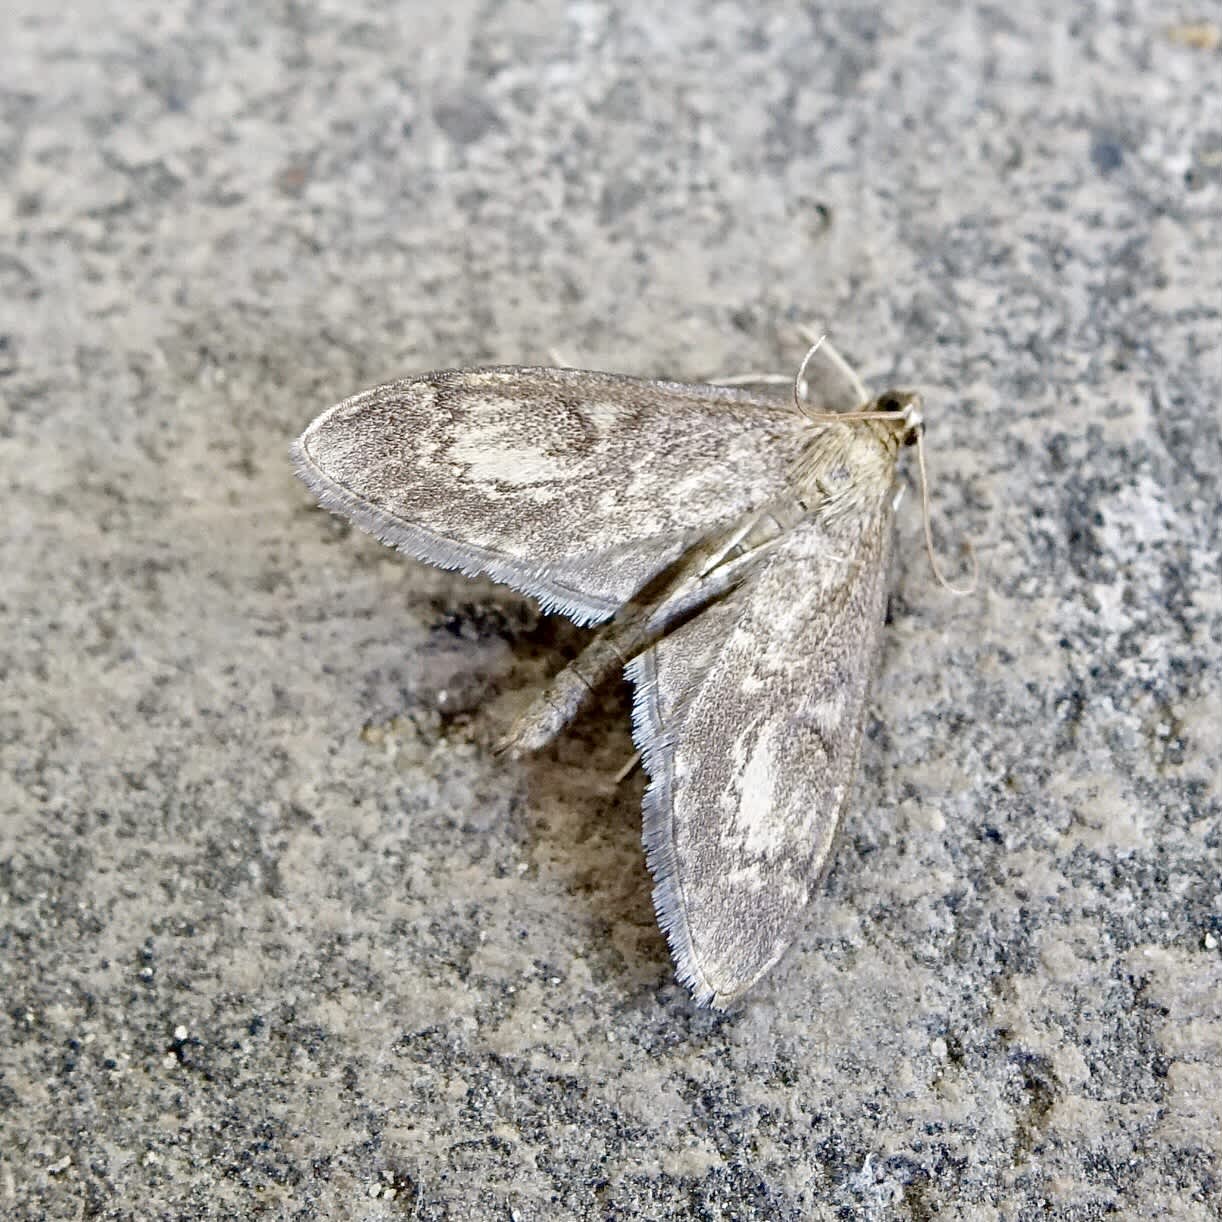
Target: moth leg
830, 382
753, 379
699, 576
628, 769
731, 541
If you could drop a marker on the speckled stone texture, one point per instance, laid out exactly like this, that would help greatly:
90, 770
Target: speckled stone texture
279, 935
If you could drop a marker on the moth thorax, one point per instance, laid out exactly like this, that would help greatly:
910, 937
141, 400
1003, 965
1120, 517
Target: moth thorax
849, 466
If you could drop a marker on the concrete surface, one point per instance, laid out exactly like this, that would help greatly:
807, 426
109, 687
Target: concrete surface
279, 936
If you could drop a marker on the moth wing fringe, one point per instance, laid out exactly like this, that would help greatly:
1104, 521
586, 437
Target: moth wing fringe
468, 559
657, 828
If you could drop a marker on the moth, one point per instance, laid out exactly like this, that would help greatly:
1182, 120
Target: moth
732, 544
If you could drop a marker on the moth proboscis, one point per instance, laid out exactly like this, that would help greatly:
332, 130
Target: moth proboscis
732, 544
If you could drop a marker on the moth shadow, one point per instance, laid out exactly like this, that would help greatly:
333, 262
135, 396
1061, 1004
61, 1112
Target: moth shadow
581, 818
585, 833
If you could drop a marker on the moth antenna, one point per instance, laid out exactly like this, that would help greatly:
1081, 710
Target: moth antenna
801, 374
929, 548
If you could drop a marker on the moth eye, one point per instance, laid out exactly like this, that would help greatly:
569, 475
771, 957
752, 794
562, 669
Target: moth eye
903, 403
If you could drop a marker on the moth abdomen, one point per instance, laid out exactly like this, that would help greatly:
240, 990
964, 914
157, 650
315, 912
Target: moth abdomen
564, 697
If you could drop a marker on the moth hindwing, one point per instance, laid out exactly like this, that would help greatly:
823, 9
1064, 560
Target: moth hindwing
732, 545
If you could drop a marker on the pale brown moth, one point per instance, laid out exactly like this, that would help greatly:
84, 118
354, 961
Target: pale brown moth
733, 544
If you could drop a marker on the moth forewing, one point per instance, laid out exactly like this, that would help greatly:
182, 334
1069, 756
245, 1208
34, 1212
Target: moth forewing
759, 529
576, 488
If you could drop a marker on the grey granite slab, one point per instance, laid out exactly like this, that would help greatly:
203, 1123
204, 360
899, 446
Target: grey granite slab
279, 935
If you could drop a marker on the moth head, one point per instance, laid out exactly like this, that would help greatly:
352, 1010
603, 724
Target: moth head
905, 406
